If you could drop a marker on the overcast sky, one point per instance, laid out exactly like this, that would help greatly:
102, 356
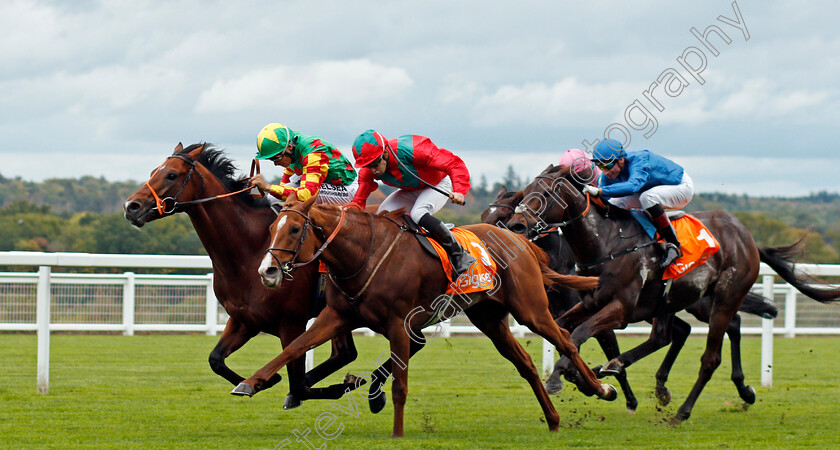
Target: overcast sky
109, 88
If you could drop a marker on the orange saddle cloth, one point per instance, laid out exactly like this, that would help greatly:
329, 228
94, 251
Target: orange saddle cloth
696, 244
480, 276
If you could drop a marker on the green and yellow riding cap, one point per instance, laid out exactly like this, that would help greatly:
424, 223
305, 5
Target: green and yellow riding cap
273, 140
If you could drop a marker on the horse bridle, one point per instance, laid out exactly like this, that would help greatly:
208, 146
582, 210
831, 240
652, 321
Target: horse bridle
289, 266
160, 204
541, 225
286, 268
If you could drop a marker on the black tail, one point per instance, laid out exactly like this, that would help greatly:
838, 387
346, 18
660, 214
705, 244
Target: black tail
759, 306
781, 259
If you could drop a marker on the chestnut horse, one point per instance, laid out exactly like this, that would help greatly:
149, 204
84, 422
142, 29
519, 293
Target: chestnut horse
383, 279
199, 180
608, 241
561, 300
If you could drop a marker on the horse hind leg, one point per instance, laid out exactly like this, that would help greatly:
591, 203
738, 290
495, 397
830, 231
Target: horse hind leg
542, 324
746, 392
232, 339
376, 396
499, 333
718, 324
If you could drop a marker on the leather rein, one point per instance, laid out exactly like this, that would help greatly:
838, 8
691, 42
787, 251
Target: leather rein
539, 229
161, 203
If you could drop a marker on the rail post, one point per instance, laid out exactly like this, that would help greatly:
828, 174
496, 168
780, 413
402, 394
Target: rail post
42, 317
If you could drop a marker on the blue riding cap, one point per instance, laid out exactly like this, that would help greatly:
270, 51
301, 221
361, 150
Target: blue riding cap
608, 150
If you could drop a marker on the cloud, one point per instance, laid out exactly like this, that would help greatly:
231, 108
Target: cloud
307, 87
751, 99
566, 102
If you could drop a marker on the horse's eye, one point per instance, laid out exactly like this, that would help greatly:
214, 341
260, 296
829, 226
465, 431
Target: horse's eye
171, 176
294, 229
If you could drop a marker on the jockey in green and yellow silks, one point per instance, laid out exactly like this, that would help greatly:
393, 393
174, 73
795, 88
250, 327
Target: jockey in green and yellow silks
313, 166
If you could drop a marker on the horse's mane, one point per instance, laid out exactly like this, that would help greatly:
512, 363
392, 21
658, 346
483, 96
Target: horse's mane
508, 194
603, 206
214, 160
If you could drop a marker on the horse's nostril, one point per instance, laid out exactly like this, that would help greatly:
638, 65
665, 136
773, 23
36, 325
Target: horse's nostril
271, 271
132, 206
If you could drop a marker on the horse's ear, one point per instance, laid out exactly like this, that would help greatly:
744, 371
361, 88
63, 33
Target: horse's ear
307, 204
194, 154
501, 192
178, 148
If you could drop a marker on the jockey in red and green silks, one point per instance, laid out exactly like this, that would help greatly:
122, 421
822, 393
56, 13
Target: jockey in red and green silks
403, 163
313, 166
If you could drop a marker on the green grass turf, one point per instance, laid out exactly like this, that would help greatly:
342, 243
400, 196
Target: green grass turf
157, 391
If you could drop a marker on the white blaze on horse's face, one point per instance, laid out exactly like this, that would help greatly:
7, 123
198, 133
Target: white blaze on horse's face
265, 264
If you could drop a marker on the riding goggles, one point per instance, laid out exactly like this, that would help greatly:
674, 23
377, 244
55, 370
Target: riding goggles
605, 166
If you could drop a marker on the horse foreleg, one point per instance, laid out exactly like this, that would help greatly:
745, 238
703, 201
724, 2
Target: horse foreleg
573, 317
327, 325
499, 332
568, 321
400, 350
680, 330
233, 338
343, 352
608, 318
660, 336
609, 344
376, 397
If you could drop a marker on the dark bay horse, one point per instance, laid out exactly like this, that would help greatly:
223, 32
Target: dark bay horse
561, 300
383, 279
199, 180
607, 241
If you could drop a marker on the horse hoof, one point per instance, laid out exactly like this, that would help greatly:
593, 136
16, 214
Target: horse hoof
597, 371
663, 395
680, 417
612, 368
243, 389
554, 387
377, 403
748, 395
631, 406
291, 401
611, 393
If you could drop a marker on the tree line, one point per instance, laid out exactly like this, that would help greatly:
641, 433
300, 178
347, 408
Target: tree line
85, 215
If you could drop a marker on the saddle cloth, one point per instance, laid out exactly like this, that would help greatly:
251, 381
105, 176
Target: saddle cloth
696, 241
696, 244
480, 276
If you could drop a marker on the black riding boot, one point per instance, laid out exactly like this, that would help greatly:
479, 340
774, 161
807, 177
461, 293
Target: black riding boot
460, 259
666, 231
